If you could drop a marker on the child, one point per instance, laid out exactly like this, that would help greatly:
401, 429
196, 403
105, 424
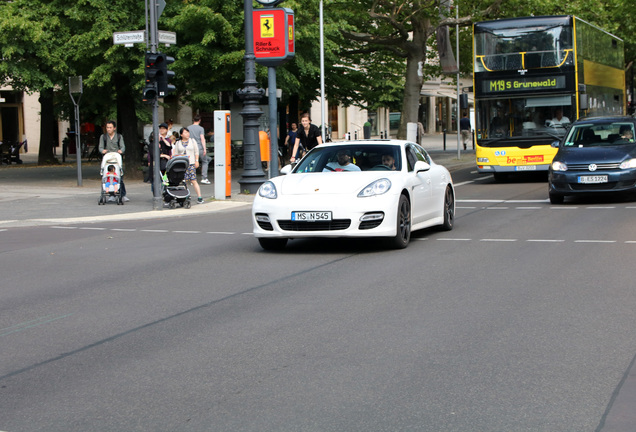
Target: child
111, 182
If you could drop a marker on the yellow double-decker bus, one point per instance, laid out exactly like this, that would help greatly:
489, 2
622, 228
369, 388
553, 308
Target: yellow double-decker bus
532, 77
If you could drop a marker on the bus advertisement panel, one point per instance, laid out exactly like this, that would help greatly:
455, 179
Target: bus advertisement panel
533, 76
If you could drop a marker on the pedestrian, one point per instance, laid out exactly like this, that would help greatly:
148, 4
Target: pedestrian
308, 137
165, 151
465, 128
112, 141
170, 123
198, 134
290, 139
187, 146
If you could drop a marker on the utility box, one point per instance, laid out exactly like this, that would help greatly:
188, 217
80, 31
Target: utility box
222, 155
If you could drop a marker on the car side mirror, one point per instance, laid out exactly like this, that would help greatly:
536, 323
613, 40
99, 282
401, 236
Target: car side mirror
421, 166
555, 144
286, 169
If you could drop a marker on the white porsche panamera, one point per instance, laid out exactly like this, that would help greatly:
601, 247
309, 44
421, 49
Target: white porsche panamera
366, 188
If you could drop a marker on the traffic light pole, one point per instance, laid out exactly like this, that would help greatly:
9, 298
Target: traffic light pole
151, 6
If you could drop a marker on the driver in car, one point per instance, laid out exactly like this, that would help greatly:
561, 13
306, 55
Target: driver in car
388, 161
343, 163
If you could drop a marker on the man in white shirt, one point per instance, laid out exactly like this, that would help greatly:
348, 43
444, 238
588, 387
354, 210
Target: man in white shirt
559, 119
343, 163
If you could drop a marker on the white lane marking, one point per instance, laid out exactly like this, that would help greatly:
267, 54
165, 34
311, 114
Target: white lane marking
546, 240
563, 208
93, 228
528, 208
155, 231
64, 227
220, 232
500, 201
594, 241
454, 239
497, 240
248, 233
606, 207
463, 183
496, 208
466, 208
630, 242
187, 232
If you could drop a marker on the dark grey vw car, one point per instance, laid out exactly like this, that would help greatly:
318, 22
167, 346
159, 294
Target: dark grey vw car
597, 155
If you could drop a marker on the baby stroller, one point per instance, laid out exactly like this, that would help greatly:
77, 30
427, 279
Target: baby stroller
174, 189
111, 172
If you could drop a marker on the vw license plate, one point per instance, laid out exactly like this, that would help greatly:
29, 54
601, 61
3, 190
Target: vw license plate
311, 216
593, 179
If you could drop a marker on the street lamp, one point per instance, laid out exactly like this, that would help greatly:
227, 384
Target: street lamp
253, 175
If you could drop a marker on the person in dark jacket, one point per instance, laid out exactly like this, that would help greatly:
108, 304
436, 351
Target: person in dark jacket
308, 137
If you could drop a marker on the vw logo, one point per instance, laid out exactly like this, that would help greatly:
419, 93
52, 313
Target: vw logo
592, 167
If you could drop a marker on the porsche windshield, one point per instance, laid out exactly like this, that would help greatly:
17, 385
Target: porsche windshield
600, 134
358, 157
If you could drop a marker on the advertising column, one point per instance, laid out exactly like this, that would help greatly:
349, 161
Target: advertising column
222, 155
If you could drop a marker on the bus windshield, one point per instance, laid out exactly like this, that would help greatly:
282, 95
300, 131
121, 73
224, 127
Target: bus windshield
531, 46
524, 117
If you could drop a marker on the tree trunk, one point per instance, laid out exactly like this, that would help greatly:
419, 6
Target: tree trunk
414, 77
48, 137
127, 126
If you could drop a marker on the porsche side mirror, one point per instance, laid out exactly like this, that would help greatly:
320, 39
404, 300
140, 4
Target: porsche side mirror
555, 144
286, 169
421, 166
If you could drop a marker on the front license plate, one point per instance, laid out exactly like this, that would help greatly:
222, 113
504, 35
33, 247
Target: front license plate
593, 179
311, 216
526, 168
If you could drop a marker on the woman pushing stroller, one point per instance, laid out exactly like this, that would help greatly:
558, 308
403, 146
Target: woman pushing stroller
188, 147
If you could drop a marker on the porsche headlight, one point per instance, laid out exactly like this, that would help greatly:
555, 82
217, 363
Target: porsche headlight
559, 166
378, 187
268, 190
629, 163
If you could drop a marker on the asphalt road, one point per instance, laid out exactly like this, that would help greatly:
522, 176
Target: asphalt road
520, 319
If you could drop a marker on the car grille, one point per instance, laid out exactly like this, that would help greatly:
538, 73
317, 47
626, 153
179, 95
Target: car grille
267, 226
600, 166
370, 224
333, 225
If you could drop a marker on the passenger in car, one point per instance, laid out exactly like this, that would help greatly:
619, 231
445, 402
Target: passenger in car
343, 162
627, 133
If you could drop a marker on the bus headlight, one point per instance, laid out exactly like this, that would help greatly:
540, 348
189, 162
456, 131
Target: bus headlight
482, 160
559, 166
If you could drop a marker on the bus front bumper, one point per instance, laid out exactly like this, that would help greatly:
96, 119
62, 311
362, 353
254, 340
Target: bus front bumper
510, 169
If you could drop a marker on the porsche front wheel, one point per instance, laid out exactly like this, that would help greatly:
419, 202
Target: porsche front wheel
403, 233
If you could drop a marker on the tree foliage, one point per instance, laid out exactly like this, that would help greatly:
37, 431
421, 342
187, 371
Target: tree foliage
377, 52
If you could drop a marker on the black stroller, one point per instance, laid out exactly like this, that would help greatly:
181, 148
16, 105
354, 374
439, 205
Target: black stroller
175, 191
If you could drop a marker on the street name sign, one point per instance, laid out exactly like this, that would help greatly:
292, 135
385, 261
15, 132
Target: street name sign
167, 37
129, 37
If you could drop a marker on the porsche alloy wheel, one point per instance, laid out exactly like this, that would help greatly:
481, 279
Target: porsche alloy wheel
403, 234
449, 209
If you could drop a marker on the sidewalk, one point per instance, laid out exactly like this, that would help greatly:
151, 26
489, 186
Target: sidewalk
44, 195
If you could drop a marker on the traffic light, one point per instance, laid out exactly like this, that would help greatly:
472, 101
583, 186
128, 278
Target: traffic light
152, 73
157, 76
163, 79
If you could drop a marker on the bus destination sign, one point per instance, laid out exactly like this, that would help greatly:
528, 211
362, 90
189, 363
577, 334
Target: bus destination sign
522, 84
